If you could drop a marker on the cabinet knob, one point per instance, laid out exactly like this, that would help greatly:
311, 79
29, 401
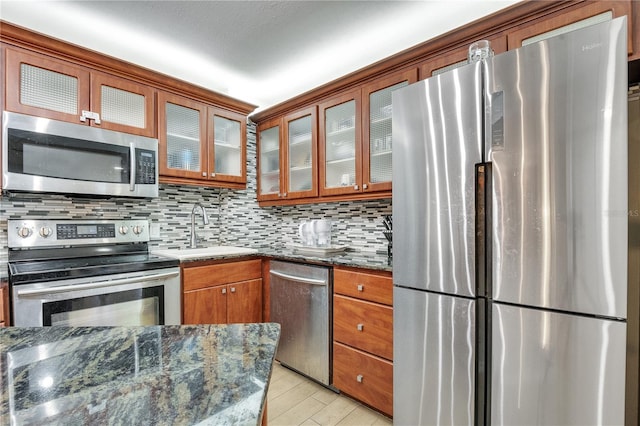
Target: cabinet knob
359, 378
364, 186
284, 195
360, 287
356, 187
204, 174
360, 327
233, 289
213, 175
224, 291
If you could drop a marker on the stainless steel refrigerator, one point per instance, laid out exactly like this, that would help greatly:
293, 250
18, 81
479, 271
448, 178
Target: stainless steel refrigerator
510, 237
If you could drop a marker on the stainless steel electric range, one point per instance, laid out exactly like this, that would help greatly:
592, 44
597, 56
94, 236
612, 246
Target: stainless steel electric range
89, 273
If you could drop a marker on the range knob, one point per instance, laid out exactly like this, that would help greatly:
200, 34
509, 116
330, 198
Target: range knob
24, 232
138, 229
123, 229
45, 232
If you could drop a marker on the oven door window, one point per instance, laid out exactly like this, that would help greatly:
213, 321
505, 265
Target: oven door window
143, 306
39, 154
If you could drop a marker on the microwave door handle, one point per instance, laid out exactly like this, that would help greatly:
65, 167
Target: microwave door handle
97, 284
132, 176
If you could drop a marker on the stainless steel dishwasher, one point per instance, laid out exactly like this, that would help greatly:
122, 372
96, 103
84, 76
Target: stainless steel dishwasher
301, 304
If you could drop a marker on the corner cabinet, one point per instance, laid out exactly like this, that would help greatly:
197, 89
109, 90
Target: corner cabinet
222, 293
47, 87
269, 154
288, 157
200, 144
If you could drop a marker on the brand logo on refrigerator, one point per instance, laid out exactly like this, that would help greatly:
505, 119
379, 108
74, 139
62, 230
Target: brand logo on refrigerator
590, 46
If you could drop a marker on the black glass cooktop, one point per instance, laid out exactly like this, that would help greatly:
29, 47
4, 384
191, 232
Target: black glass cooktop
30, 271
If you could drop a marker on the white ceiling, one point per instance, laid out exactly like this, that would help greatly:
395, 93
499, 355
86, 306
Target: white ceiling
263, 52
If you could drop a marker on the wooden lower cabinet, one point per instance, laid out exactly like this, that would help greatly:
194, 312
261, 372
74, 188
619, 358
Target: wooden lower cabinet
364, 325
363, 336
363, 376
222, 293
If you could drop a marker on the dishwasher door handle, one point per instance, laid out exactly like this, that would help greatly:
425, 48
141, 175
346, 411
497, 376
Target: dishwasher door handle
302, 280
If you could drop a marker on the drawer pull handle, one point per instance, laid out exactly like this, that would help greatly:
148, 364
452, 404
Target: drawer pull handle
233, 289
224, 291
360, 287
359, 378
360, 327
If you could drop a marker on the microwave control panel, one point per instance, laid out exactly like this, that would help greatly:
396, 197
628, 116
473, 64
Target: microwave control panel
145, 166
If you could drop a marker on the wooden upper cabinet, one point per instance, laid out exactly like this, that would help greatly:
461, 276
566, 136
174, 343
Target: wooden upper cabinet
200, 143
300, 154
270, 159
123, 105
227, 148
377, 132
458, 57
590, 12
46, 87
182, 137
340, 144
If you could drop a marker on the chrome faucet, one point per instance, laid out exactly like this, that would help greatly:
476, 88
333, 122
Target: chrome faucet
205, 220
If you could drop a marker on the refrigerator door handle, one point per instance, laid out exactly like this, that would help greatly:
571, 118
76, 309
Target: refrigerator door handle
483, 229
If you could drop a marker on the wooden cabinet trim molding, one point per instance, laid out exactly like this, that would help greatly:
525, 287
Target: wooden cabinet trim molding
15, 35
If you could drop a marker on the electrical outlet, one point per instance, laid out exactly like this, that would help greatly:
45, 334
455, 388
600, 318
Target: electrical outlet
154, 231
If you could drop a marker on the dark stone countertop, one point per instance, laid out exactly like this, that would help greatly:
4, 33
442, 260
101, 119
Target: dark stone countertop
350, 258
155, 375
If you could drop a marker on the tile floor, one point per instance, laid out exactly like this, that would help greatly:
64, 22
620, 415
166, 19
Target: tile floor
294, 400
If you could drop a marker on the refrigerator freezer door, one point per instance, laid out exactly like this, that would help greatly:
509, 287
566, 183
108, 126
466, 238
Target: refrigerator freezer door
433, 358
556, 369
557, 140
437, 132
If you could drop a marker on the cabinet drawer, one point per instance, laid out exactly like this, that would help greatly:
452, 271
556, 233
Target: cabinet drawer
367, 286
364, 325
223, 273
363, 376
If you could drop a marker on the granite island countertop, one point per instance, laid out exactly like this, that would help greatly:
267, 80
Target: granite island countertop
154, 375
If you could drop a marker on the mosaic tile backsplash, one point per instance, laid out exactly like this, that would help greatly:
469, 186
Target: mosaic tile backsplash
234, 216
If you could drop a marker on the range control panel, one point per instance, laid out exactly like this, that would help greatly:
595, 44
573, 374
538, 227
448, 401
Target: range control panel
43, 233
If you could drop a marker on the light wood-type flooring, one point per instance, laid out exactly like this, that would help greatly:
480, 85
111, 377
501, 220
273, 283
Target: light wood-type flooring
295, 400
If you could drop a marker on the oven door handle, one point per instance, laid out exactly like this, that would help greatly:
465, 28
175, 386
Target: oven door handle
97, 284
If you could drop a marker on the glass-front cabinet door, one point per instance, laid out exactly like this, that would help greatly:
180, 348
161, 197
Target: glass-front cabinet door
377, 131
227, 160
182, 137
269, 160
46, 87
301, 154
340, 147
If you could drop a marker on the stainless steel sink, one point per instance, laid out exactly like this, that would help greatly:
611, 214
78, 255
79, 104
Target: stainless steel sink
204, 252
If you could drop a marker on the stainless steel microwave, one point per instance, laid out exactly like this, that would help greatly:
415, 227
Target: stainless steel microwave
43, 155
